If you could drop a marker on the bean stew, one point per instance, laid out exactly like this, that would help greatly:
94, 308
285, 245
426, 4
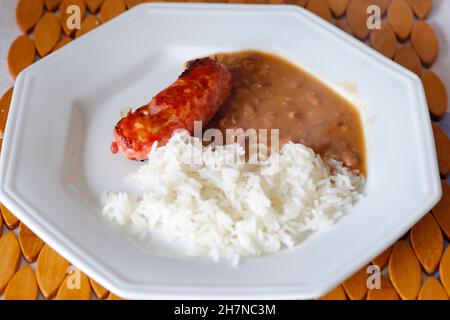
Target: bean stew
272, 93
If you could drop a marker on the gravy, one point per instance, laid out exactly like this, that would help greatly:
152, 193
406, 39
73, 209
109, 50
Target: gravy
272, 93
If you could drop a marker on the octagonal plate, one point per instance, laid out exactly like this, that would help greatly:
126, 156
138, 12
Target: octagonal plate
56, 160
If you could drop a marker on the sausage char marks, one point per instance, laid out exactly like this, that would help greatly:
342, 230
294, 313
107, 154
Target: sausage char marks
196, 95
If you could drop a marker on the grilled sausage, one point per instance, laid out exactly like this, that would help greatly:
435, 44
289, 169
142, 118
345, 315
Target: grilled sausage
196, 95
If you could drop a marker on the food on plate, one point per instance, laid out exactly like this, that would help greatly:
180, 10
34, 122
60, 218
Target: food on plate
227, 210
272, 93
210, 198
196, 96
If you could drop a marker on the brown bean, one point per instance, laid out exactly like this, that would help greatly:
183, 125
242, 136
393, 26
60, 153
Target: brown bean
349, 159
256, 86
227, 122
271, 115
264, 70
313, 98
249, 111
295, 115
256, 102
295, 139
242, 92
265, 84
317, 121
269, 93
342, 145
248, 65
344, 127
268, 119
293, 85
320, 147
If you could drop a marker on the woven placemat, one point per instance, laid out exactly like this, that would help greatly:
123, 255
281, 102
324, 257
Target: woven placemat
415, 267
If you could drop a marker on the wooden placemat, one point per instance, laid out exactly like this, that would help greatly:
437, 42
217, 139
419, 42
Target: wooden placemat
415, 267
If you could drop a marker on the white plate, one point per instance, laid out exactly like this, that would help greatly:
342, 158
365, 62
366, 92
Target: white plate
56, 160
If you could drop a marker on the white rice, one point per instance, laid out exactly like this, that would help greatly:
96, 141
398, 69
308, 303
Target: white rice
227, 210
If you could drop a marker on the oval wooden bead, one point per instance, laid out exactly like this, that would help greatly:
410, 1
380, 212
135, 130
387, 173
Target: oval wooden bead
66, 17
131, 3
386, 292
356, 285
94, 5
111, 9
337, 293
442, 209
382, 259
444, 270
47, 34
384, 41
404, 271
432, 290
408, 58
21, 54
9, 258
99, 291
51, 270
357, 19
23, 285
28, 13
442, 143
428, 243
436, 93
382, 4
75, 287
87, 25
421, 8
320, 8
338, 7
10, 220
400, 18
52, 5
30, 243
425, 42
62, 42
5, 101
343, 25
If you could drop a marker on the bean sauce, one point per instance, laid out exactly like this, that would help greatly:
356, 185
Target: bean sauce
272, 93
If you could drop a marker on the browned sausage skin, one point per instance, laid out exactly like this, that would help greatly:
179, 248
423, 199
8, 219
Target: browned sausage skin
196, 95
